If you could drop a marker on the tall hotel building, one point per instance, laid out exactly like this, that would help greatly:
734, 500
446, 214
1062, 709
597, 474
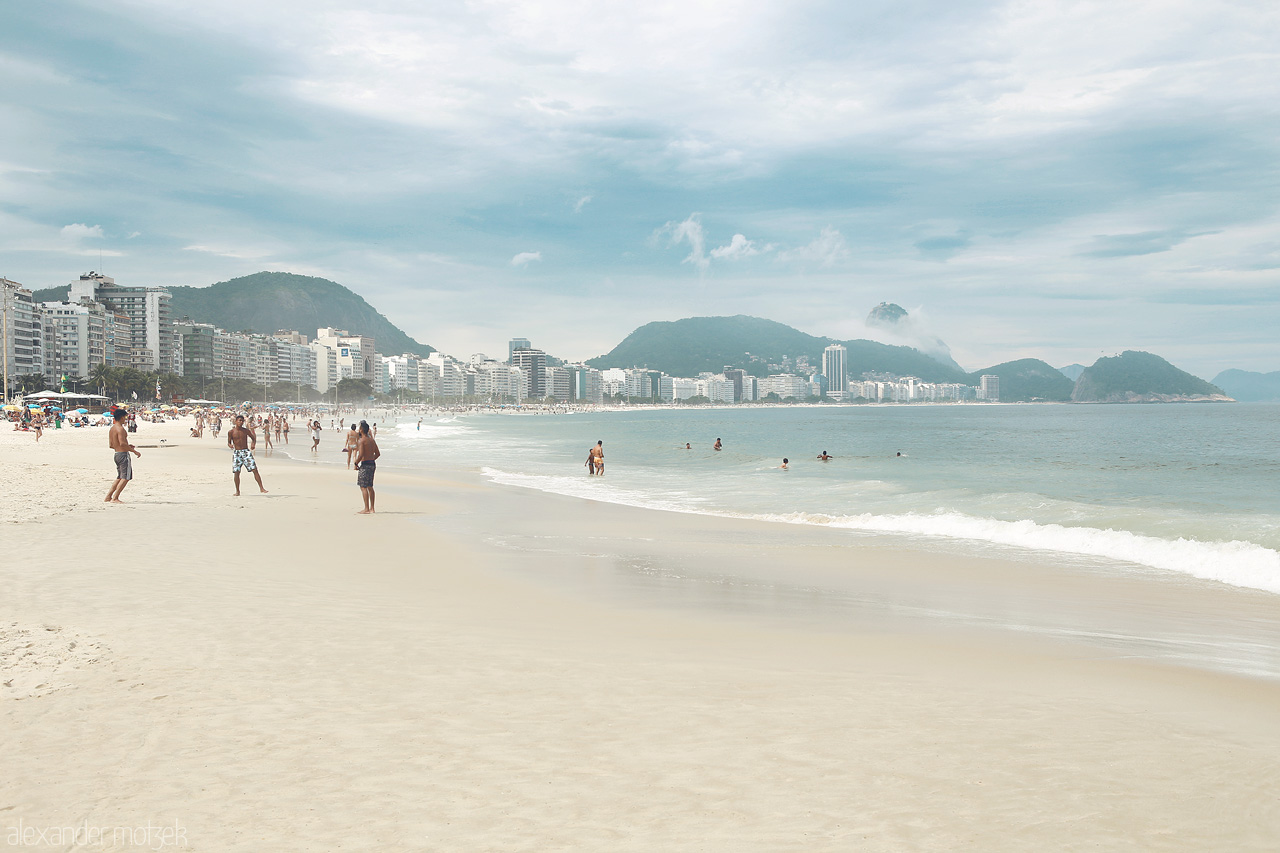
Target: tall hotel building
834, 367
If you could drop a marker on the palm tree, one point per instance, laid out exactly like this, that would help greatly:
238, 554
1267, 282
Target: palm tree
100, 376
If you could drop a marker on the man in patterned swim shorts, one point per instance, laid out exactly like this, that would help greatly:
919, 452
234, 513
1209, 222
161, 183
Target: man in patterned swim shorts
242, 441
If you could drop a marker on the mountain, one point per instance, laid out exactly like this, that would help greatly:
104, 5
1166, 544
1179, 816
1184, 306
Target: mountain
267, 301
696, 344
1248, 386
1028, 379
1072, 371
1140, 377
901, 325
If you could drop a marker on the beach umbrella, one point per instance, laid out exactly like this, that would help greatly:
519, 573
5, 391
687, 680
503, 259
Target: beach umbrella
82, 411
12, 408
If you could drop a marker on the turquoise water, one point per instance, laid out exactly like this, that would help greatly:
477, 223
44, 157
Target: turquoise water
1189, 489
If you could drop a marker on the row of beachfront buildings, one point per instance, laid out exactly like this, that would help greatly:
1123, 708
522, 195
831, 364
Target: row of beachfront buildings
102, 322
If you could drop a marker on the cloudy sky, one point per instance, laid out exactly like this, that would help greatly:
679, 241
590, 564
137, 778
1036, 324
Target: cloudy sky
1049, 179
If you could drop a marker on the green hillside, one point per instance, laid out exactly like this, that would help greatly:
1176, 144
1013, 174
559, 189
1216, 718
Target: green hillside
1139, 377
1249, 386
267, 301
696, 344
1028, 379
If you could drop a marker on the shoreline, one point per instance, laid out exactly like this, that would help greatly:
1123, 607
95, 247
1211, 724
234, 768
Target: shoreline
272, 676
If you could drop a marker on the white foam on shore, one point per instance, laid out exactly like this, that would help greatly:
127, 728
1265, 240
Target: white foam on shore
1238, 563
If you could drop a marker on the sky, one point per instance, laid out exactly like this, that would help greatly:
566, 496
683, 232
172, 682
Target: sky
1055, 180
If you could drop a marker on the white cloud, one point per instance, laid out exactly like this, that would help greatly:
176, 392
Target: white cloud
738, 247
523, 259
689, 231
581, 203
828, 249
78, 231
242, 253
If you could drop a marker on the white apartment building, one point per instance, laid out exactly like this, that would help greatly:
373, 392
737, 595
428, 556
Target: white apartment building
150, 327
989, 390
22, 332
357, 355
326, 360
785, 385
401, 373
77, 338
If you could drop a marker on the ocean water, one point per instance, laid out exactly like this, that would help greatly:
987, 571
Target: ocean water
1189, 489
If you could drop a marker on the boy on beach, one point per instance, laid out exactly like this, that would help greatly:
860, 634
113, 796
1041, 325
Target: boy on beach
242, 441
118, 439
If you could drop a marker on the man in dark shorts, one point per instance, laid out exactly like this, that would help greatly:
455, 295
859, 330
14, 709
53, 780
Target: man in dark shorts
366, 455
118, 438
242, 441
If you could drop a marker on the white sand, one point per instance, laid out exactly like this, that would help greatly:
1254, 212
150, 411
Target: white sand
276, 673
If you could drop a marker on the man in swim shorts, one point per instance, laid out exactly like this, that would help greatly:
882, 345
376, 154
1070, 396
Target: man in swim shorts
242, 441
366, 456
118, 439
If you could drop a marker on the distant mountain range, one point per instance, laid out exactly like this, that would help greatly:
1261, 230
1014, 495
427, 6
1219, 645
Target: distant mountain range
700, 344
267, 301
1248, 386
697, 344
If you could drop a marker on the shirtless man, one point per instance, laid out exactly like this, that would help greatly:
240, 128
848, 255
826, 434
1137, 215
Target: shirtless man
597, 453
366, 456
118, 438
242, 441
717, 445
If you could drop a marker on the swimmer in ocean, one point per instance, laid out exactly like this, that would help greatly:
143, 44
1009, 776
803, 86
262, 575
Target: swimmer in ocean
717, 446
783, 466
824, 457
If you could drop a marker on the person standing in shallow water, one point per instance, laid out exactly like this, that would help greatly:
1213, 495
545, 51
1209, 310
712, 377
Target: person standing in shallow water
366, 456
597, 458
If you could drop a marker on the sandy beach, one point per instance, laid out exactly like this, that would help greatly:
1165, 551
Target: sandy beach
276, 673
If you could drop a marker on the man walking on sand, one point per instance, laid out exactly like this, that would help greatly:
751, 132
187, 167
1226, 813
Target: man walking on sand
118, 438
366, 456
242, 441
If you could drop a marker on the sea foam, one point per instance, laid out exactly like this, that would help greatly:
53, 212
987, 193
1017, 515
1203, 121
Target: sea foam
1238, 563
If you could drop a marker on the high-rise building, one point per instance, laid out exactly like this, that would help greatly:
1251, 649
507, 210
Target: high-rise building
989, 390
534, 364
197, 349
326, 366
150, 328
835, 360
515, 344
77, 338
22, 335
736, 375
357, 355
